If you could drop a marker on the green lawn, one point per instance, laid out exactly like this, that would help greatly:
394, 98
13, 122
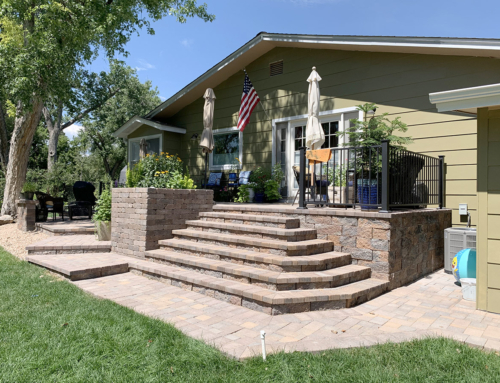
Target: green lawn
50, 331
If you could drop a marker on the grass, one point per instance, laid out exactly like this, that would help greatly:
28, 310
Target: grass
50, 331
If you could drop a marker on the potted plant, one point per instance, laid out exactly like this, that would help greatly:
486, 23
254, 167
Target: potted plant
366, 133
29, 189
259, 177
102, 217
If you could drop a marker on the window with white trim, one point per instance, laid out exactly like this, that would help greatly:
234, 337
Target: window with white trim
227, 151
154, 147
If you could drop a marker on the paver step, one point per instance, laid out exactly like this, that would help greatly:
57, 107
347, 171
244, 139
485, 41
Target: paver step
289, 235
313, 246
77, 266
315, 262
69, 244
273, 280
248, 219
259, 298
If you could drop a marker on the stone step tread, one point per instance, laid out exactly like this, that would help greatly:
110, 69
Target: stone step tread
250, 217
252, 228
76, 245
249, 241
82, 266
279, 260
260, 294
257, 273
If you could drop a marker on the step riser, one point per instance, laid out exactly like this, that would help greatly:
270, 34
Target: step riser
271, 309
277, 237
338, 281
261, 265
290, 225
311, 249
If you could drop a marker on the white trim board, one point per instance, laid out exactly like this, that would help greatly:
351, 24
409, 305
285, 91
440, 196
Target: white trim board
138, 139
466, 99
135, 122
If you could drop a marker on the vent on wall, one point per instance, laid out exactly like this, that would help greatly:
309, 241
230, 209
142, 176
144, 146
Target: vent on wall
276, 68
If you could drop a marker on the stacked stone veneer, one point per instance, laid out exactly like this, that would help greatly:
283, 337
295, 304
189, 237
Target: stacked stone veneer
143, 216
399, 247
26, 215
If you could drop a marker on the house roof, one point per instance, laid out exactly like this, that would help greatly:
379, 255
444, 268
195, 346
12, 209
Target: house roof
466, 99
264, 42
137, 121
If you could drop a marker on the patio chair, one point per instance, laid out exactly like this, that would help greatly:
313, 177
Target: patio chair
232, 181
214, 181
296, 173
48, 204
244, 177
85, 200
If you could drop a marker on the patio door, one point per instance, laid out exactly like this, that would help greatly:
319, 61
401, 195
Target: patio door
281, 154
298, 133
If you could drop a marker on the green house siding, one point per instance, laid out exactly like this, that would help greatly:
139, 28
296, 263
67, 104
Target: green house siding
398, 83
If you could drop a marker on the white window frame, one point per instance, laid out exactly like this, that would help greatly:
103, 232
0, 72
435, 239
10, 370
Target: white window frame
138, 139
240, 154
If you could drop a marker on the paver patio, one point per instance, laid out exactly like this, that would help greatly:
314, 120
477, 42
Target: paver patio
432, 306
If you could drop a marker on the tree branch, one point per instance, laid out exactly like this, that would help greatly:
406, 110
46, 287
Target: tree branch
80, 115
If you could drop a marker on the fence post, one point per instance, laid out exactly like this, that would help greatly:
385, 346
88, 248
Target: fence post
302, 179
385, 176
441, 182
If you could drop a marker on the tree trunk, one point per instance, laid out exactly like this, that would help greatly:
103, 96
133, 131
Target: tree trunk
4, 144
53, 141
20, 145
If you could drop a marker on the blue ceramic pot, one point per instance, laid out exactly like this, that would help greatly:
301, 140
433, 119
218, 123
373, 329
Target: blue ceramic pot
367, 193
259, 197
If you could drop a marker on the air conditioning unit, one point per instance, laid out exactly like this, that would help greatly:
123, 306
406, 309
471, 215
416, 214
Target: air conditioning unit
456, 239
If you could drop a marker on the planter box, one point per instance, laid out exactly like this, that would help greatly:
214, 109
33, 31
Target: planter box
143, 216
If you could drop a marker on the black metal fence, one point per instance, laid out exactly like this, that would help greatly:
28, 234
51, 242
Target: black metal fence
377, 177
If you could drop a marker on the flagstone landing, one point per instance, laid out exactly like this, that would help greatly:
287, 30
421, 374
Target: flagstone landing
430, 307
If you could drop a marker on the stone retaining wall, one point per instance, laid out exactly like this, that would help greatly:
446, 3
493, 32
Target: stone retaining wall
143, 216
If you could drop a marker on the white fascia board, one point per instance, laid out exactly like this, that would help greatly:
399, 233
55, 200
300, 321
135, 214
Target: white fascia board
466, 98
135, 122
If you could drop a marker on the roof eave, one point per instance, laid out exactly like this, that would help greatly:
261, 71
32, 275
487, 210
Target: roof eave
135, 122
466, 99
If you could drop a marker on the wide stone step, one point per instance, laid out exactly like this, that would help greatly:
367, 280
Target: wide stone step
77, 266
259, 298
249, 219
289, 235
272, 280
70, 244
316, 262
314, 246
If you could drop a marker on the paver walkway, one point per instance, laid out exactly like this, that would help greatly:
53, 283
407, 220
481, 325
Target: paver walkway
66, 244
432, 306
59, 227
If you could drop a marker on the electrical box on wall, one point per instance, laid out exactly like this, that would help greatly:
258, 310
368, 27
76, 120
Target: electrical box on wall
462, 209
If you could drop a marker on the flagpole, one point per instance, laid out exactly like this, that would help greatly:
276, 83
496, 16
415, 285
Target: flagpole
260, 101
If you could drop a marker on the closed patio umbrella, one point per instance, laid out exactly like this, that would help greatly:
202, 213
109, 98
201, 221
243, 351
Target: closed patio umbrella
207, 137
143, 149
315, 136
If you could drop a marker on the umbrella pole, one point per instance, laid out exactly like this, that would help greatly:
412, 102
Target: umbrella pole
206, 165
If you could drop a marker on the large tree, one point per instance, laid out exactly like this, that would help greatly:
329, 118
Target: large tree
135, 98
43, 43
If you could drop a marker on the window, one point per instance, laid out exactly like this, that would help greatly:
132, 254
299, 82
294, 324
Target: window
227, 149
154, 145
331, 138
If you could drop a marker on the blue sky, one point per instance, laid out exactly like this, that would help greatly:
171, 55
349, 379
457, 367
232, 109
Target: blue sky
179, 53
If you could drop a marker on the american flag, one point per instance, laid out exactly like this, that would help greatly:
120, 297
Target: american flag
249, 100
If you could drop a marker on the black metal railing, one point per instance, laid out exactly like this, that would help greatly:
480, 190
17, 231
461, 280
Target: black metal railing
379, 177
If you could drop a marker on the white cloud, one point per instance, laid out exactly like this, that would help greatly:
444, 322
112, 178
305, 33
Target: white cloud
72, 131
187, 42
163, 98
144, 65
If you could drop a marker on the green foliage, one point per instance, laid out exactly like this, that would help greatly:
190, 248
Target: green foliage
337, 177
373, 130
103, 208
272, 190
259, 177
134, 175
268, 181
29, 187
243, 194
159, 169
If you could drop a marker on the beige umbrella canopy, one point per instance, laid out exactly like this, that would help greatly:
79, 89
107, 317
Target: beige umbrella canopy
207, 137
143, 148
315, 136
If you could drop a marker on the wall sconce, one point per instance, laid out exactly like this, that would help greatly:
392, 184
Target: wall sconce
194, 137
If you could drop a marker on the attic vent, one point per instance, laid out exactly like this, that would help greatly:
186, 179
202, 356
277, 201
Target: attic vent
276, 68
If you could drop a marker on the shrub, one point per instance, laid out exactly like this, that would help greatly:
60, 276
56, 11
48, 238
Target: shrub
134, 175
243, 194
157, 169
29, 187
103, 208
